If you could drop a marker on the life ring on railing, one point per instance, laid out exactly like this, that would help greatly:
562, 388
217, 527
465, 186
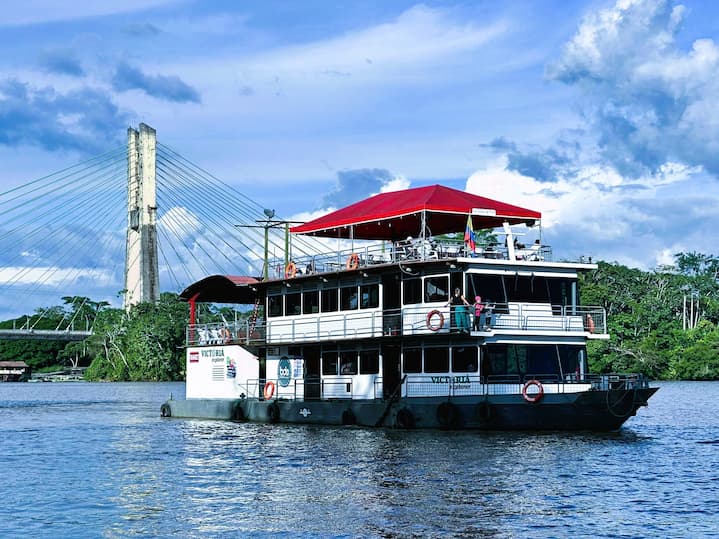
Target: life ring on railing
430, 324
534, 397
290, 270
269, 390
353, 261
590, 323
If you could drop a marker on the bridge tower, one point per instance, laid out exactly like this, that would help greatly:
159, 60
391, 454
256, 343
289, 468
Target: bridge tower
142, 278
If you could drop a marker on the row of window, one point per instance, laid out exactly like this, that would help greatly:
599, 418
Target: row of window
498, 359
350, 362
497, 288
346, 298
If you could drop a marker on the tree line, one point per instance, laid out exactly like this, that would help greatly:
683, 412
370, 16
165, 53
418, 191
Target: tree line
663, 323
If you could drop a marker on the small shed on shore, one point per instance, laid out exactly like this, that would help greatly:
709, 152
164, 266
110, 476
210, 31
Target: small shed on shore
14, 371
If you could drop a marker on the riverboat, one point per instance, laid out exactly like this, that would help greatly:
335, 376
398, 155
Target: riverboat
410, 322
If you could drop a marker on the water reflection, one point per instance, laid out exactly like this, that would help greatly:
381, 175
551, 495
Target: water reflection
101, 462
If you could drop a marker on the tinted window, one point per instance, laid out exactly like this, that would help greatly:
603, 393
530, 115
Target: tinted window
412, 291
369, 362
436, 289
274, 306
329, 363
311, 302
369, 296
436, 360
348, 298
329, 300
292, 303
348, 362
412, 358
464, 359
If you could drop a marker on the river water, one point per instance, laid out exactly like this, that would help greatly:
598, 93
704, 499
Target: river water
96, 460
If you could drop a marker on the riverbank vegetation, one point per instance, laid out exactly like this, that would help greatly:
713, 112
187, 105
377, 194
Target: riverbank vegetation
663, 323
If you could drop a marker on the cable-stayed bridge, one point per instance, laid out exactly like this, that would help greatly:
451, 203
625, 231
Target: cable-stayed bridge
121, 227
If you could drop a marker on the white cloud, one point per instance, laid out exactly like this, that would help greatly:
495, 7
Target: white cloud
50, 276
180, 222
648, 100
42, 11
596, 212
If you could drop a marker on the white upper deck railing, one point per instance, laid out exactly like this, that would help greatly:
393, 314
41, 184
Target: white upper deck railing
410, 250
517, 318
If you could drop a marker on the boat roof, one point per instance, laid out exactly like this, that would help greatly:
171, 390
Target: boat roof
398, 214
222, 289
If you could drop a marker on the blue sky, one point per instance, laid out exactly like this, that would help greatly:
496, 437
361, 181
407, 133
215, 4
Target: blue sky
600, 114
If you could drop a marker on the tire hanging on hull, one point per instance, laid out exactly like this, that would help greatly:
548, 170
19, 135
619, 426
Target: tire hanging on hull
484, 412
447, 415
405, 419
273, 412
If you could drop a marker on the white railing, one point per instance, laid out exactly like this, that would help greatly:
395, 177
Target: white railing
369, 254
425, 319
449, 385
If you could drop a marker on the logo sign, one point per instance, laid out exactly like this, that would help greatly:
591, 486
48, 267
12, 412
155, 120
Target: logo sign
284, 372
304, 412
195, 357
231, 371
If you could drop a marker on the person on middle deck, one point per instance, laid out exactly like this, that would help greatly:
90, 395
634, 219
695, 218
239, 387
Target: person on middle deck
460, 315
478, 306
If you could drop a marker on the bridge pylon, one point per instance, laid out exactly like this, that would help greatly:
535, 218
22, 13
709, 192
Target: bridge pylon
142, 277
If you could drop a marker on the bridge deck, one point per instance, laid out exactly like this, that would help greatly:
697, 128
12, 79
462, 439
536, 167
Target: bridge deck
44, 334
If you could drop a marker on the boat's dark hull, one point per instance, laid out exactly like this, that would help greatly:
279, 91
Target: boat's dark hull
592, 410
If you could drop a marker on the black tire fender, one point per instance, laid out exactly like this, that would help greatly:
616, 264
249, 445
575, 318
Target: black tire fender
405, 419
447, 415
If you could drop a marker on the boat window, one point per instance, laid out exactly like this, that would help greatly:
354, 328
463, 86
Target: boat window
570, 358
537, 360
526, 288
436, 360
292, 303
369, 362
436, 289
412, 291
464, 359
329, 363
369, 294
489, 287
348, 298
559, 291
329, 300
274, 306
348, 362
412, 360
311, 302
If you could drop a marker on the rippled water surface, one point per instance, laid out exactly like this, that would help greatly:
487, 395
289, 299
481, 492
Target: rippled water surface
96, 460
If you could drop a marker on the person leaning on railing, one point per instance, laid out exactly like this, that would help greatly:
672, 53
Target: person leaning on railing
460, 315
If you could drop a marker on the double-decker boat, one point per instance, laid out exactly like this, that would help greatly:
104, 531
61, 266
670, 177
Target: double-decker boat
409, 323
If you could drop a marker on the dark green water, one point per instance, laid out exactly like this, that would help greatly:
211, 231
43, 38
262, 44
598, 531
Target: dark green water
96, 460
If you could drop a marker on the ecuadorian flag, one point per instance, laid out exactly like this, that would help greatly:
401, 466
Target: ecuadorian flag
469, 237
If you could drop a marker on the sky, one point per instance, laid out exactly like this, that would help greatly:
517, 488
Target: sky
602, 115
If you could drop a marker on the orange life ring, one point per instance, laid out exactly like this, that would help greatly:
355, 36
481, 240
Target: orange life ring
291, 270
536, 397
353, 261
269, 390
430, 325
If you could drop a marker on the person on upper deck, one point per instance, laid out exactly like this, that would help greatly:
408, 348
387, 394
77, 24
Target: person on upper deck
460, 316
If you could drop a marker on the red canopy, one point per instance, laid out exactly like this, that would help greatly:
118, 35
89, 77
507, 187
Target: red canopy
396, 215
